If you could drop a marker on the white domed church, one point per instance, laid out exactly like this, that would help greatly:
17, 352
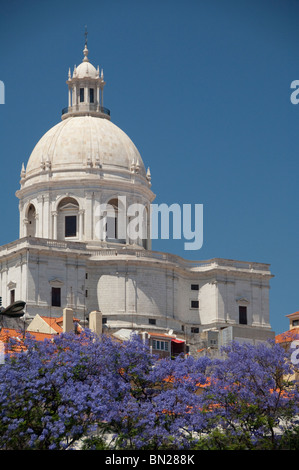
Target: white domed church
63, 259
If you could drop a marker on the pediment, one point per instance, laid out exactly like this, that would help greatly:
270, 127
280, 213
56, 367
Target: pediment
69, 207
242, 300
12, 285
56, 282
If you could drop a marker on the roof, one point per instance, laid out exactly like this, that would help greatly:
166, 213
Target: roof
288, 336
291, 315
6, 333
49, 325
166, 336
67, 144
10, 333
56, 323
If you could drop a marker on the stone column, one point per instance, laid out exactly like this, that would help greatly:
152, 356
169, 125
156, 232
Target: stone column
54, 214
46, 216
25, 225
89, 223
74, 100
70, 97
81, 212
98, 96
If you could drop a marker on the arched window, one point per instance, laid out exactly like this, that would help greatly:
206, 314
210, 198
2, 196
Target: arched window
31, 221
115, 231
112, 220
67, 223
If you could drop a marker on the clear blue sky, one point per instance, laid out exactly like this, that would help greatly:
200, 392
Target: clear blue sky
203, 90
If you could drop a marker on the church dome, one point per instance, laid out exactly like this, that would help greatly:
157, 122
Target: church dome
81, 142
80, 165
86, 69
85, 144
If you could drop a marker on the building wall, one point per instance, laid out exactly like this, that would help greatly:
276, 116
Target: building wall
48, 220
130, 291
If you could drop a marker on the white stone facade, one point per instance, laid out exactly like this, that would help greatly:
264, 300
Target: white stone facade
62, 260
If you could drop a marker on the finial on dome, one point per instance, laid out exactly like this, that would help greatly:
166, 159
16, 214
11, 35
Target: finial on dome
148, 176
85, 52
23, 172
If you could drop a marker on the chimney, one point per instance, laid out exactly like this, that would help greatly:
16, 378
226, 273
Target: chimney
95, 322
68, 322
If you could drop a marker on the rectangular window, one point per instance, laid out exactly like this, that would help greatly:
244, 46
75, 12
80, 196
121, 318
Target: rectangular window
160, 345
56, 297
243, 315
91, 95
86, 293
111, 228
81, 95
194, 287
70, 226
194, 329
152, 321
12, 296
194, 304
104, 321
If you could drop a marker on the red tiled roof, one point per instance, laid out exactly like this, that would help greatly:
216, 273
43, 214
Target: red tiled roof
56, 322
9, 333
293, 314
288, 336
166, 336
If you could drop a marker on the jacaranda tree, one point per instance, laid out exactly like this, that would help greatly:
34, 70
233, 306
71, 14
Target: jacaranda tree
84, 390
251, 398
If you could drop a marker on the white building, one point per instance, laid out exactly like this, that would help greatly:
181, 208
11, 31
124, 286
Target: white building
62, 259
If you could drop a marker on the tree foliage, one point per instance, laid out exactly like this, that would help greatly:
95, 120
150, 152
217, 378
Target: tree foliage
95, 392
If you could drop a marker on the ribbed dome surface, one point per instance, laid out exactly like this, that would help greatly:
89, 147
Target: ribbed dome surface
86, 69
76, 140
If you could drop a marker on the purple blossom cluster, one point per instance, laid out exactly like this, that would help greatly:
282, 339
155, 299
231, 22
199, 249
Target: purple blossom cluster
85, 390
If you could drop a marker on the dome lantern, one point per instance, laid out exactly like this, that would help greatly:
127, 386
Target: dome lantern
85, 90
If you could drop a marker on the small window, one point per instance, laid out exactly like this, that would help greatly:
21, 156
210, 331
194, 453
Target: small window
194, 329
86, 275
295, 322
86, 293
160, 345
81, 95
104, 321
194, 287
243, 315
70, 226
56, 297
152, 321
12, 296
91, 95
194, 304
